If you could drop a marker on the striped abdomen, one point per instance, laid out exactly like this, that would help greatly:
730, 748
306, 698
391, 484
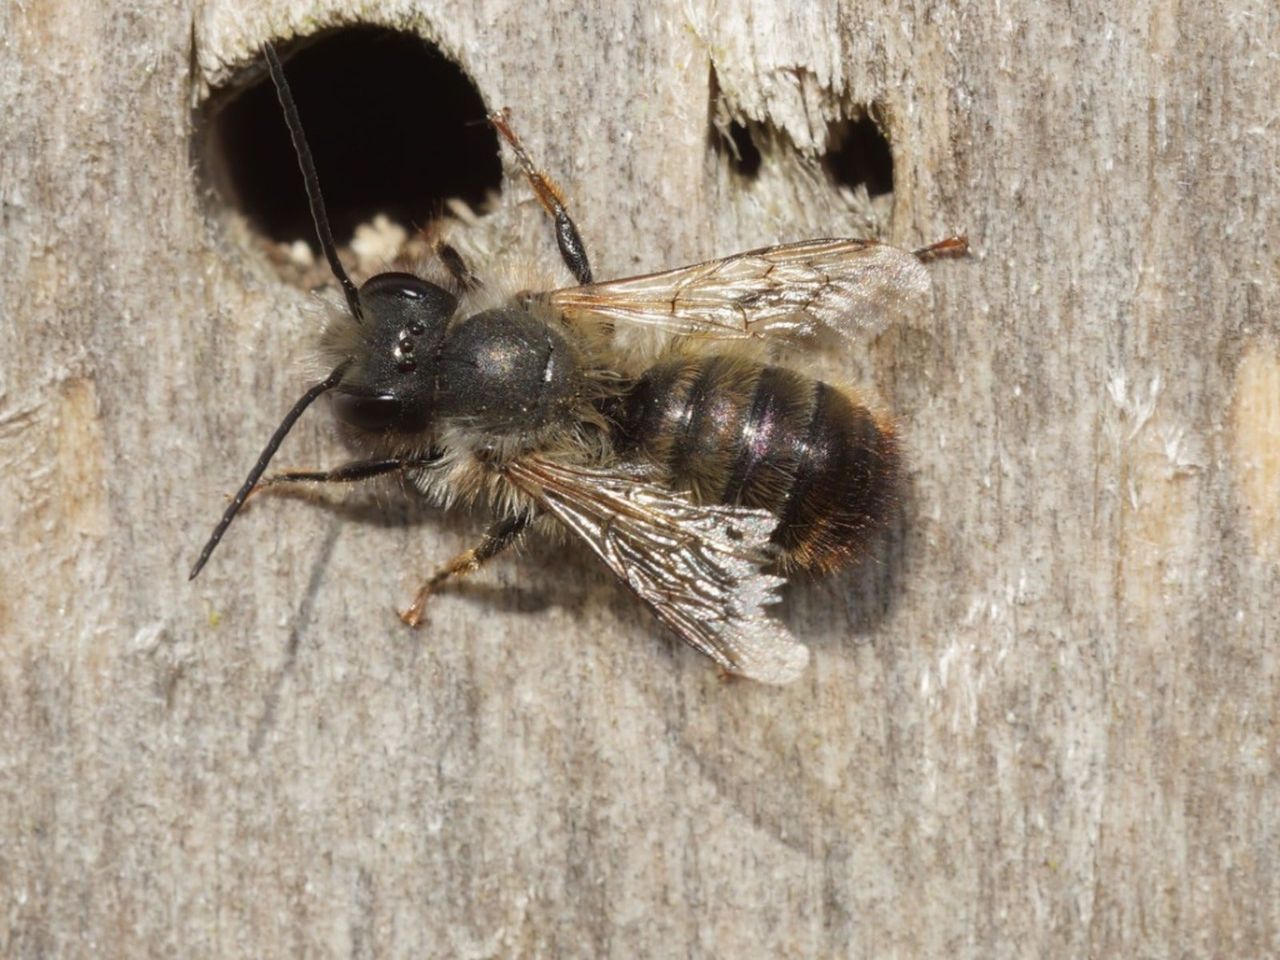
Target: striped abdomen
738, 432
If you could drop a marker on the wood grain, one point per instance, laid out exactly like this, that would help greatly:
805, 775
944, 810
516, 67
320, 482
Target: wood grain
1043, 721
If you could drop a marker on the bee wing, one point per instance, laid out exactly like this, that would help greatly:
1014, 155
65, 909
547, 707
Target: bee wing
699, 568
797, 290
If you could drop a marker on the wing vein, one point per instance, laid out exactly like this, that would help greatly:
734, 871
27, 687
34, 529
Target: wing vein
702, 569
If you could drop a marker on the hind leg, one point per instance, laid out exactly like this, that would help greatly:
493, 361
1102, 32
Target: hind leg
572, 250
498, 538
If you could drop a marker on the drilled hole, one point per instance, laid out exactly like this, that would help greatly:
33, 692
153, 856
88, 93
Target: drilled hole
729, 138
395, 128
744, 154
858, 155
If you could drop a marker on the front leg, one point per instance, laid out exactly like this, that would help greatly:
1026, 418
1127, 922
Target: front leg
352, 472
457, 267
499, 537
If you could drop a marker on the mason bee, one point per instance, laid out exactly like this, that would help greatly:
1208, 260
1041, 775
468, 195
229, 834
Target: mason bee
638, 416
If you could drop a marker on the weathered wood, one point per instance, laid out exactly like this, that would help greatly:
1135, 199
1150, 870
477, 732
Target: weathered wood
1042, 723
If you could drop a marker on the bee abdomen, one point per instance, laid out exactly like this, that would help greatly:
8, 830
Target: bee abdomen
738, 432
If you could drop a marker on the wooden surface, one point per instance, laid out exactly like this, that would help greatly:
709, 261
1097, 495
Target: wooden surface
1043, 722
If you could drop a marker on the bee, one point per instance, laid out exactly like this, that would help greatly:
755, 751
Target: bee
630, 414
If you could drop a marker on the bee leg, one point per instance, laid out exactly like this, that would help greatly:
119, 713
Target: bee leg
549, 194
499, 537
352, 472
456, 266
950, 247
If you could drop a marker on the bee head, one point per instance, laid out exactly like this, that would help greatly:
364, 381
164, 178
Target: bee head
392, 382
386, 350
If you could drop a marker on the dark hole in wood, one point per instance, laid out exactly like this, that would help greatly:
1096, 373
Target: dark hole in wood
744, 154
394, 126
858, 153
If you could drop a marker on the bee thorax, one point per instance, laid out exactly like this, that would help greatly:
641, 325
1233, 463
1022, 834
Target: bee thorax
504, 371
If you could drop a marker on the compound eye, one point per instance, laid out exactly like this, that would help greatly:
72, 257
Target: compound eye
374, 414
409, 292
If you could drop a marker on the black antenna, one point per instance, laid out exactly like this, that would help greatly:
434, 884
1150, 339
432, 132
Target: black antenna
308, 168
268, 452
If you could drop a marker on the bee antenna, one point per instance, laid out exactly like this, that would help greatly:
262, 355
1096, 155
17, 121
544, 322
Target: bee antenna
308, 168
268, 452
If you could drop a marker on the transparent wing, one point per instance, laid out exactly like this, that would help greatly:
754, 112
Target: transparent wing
700, 568
848, 287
